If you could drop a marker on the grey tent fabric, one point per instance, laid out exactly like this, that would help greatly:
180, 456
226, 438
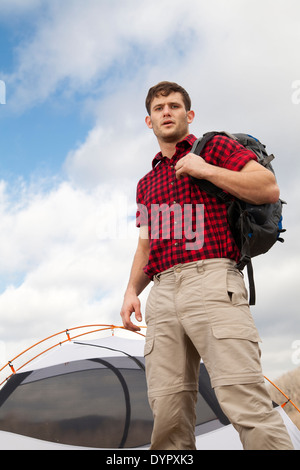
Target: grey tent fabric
93, 394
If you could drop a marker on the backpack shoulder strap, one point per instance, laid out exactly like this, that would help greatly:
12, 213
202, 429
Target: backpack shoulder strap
200, 143
207, 186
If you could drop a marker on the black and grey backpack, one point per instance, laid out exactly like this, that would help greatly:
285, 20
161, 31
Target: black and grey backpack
255, 228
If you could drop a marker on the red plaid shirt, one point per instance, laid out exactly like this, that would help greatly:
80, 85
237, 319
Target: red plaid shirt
186, 224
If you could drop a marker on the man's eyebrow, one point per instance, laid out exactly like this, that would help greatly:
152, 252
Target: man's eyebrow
169, 103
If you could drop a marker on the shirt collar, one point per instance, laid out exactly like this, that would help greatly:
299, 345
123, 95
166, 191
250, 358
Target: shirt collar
180, 147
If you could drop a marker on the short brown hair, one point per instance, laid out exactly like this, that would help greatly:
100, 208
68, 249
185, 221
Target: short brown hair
164, 89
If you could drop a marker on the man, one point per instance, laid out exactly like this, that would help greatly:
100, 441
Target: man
197, 306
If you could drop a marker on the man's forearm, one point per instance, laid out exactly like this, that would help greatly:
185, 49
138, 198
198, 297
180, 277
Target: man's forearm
257, 186
138, 280
254, 183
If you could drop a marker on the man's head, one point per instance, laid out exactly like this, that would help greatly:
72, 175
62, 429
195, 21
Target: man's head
169, 108
164, 89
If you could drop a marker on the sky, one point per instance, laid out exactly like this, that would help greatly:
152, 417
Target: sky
73, 79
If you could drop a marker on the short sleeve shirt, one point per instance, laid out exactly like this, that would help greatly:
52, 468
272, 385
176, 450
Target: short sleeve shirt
184, 223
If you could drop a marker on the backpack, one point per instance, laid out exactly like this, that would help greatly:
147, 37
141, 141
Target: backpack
255, 228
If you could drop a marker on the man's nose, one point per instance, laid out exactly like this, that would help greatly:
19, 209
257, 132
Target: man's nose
166, 110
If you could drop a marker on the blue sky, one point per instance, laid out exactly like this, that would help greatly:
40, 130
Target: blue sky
35, 140
74, 144
38, 140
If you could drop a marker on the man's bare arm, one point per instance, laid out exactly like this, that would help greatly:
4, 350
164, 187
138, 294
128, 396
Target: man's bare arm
138, 280
254, 183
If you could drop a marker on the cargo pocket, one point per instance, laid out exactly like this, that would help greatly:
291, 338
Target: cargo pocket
246, 332
236, 355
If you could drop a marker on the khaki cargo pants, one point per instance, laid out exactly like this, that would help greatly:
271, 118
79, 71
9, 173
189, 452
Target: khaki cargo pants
200, 310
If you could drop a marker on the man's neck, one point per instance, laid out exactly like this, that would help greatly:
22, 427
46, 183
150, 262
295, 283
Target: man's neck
168, 149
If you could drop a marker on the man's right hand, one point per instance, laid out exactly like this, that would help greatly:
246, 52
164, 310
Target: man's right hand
131, 304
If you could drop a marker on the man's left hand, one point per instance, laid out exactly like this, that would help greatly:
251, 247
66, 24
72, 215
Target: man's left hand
192, 165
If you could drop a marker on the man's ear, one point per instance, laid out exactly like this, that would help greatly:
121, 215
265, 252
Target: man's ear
148, 121
190, 116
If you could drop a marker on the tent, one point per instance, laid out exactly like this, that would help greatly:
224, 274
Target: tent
91, 394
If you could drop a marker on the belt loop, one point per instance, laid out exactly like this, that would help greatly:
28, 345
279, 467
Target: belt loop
200, 266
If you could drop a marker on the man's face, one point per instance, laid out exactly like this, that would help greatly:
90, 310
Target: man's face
169, 119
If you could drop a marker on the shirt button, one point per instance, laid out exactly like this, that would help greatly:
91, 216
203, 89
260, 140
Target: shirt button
174, 202
176, 243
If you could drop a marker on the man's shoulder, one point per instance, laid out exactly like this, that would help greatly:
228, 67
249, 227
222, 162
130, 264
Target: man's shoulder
221, 141
223, 150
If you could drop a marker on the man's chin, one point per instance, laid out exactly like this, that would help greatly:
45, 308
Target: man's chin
173, 137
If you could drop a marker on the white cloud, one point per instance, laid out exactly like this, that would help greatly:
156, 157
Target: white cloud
222, 47
77, 43
109, 155
73, 255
